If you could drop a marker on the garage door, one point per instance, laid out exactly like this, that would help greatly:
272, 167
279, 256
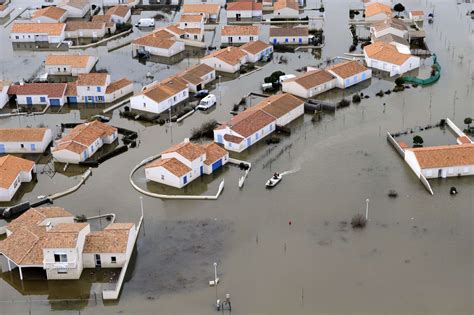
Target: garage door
54, 102
216, 165
72, 99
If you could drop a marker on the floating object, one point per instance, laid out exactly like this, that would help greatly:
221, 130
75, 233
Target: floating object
214, 282
289, 222
274, 180
453, 191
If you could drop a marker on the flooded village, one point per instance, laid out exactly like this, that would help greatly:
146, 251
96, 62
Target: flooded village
255, 157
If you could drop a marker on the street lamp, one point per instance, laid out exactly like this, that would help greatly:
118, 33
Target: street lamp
367, 209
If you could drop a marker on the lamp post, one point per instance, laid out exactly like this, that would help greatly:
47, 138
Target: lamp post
215, 277
367, 209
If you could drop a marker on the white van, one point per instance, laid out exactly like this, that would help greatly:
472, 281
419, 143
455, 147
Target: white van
146, 23
207, 102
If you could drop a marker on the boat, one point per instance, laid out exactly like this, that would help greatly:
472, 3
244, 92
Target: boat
274, 180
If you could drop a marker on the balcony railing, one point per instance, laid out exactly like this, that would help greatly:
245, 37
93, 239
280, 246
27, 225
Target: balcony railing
59, 265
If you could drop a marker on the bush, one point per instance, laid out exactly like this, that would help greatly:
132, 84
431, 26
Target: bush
358, 221
343, 103
352, 48
356, 98
273, 78
80, 218
205, 131
399, 81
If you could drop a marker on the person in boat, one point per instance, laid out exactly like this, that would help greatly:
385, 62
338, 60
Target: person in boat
275, 176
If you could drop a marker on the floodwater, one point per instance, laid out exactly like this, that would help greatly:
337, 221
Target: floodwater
416, 256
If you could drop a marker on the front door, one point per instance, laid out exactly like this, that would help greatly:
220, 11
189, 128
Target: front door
98, 262
29, 101
440, 173
237, 16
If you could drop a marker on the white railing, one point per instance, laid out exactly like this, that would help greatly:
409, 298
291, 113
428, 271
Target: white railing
59, 265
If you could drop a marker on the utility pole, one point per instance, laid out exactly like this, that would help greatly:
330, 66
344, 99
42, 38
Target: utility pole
367, 209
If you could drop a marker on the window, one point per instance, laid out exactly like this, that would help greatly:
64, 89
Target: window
62, 271
22, 146
59, 69
113, 260
162, 177
42, 99
60, 257
64, 69
98, 89
144, 104
251, 38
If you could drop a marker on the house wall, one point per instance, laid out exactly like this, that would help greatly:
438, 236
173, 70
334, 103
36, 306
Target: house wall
66, 156
191, 25
175, 49
163, 176
244, 14
105, 260
38, 99
377, 17
73, 12
249, 141
343, 83
221, 66
36, 37
68, 70
28, 146
144, 103
289, 40
238, 39
296, 89
120, 20
208, 168
454, 171
290, 116
286, 13
111, 97
258, 56
389, 30
412, 63
4, 98
86, 33
6, 194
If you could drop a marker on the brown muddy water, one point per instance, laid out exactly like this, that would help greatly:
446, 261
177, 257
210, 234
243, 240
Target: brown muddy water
416, 256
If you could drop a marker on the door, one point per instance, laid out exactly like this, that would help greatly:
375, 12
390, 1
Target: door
440, 173
216, 165
29, 101
33, 147
202, 169
54, 102
2, 148
185, 180
275, 41
249, 142
72, 99
237, 16
219, 139
98, 262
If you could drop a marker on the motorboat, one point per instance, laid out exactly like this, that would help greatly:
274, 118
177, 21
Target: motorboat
274, 180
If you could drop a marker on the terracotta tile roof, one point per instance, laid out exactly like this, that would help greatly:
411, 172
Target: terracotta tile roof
281, 4
213, 153
22, 134
207, 8
250, 121
71, 89
193, 30
393, 23
106, 241
117, 85
289, 31
445, 156
240, 30
107, 19
385, 52
52, 29
175, 29
75, 61
165, 89
312, 79
278, 105
376, 8
254, 47
118, 10
231, 55
83, 136
63, 235
195, 73
464, 139
233, 139
92, 79
25, 245
390, 38
51, 12
52, 90
78, 4
347, 69
172, 165
417, 13
84, 25
191, 18
158, 39
188, 150
10, 167
244, 6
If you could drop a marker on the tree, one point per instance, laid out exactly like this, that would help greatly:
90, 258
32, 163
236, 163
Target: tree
417, 141
399, 81
399, 8
468, 122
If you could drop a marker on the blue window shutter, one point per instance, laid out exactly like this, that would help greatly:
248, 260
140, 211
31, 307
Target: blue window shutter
98, 89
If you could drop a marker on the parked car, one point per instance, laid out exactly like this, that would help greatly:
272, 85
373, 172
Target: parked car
202, 93
145, 23
207, 102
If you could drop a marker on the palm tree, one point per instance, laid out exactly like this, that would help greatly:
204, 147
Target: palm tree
417, 141
399, 8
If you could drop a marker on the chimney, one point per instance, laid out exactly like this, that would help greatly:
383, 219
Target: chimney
228, 48
186, 140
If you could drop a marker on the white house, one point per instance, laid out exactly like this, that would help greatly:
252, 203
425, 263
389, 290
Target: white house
49, 15
416, 15
24, 140
85, 29
310, 83
244, 130
191, 21
244, 10
400, 43
5, 10
14, 171
349, 73
158, 43
83, 142
52, 94
52, 33
376, 11
289, 35
386, 57
120, 14
442, 161
198, 76
228, 59
184, 162
110, 25
239, 34
75, 8
210, 11
286, 9
257, 50
98, 88
50, 239
395, 27
74, 65
196, 34
4, 87
283, 107
160, 96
